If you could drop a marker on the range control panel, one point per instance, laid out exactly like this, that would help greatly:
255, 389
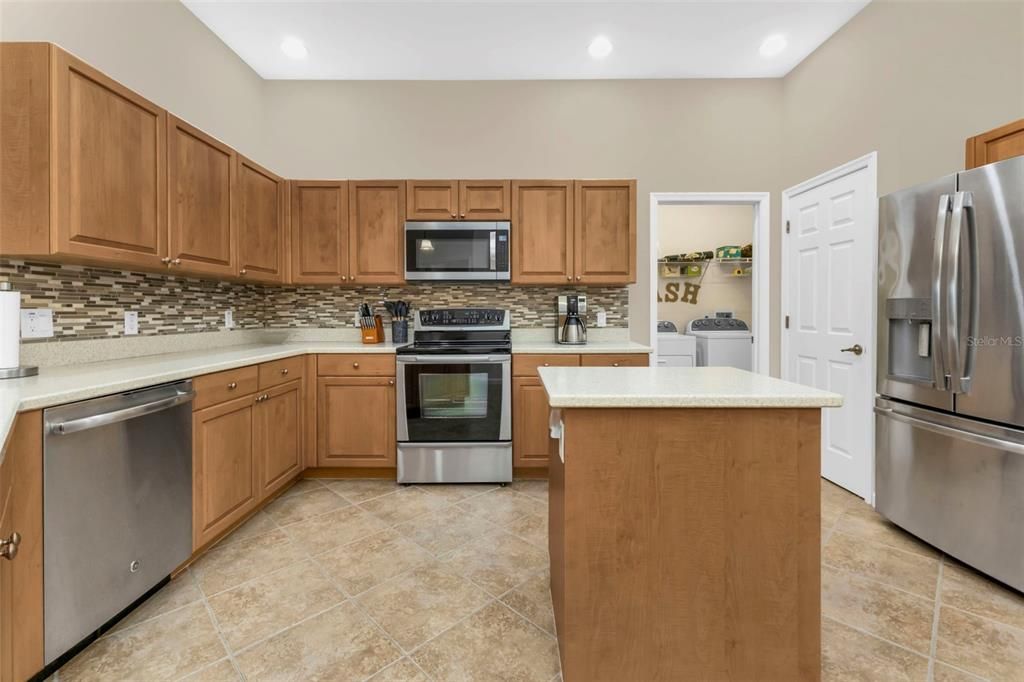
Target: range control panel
463, 317
717, 324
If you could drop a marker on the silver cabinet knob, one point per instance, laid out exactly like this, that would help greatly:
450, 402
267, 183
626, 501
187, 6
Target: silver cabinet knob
856, 349
547, 364
463, 215
9, 547
615, 364
578, 278
391, 382
165, 261
284, 371
355, 365
242, 271
352, 277
232, 386
343, 278
453, 215
568, 278
176, 261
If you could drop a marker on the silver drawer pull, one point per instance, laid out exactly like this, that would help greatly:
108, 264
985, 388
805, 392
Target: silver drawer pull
9, 547
232, 386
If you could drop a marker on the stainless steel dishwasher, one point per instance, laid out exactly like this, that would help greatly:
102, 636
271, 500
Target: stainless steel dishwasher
117, 505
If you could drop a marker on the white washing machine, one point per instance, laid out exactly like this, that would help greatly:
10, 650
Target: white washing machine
722, 342
674, 348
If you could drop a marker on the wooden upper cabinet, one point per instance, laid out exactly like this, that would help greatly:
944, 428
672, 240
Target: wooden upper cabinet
998, 144
376, 210
432, 200
84, 162
319, 227
201, 177
604, 249
259, 233
485, 199
542, 229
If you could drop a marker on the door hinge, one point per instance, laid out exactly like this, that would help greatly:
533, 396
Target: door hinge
787, 321
787, 227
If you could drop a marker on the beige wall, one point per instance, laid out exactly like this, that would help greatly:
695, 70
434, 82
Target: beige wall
908, 79
705, 227
160, 50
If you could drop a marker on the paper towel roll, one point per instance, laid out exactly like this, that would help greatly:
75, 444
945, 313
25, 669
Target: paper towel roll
10, 328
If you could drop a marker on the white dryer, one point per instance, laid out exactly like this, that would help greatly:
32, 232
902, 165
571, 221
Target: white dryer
675, 349
722, 342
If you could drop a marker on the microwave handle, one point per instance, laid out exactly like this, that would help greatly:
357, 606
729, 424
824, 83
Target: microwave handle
494, 250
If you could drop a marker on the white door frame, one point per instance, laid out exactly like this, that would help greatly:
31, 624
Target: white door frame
868, 162
760, 282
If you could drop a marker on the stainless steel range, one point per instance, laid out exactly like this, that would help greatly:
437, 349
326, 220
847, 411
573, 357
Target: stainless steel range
455, 398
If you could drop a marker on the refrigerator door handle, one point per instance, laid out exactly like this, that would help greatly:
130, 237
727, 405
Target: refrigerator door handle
959, 372
939, 374
966, 205
941, 429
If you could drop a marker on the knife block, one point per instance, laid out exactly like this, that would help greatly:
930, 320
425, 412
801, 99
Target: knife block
374, 334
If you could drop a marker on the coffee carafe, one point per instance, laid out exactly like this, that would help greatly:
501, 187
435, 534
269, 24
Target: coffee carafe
572, 315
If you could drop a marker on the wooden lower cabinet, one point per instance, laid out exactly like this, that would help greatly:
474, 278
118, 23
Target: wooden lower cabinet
532, 445
277, 437
224, 482
356, 422
616, 360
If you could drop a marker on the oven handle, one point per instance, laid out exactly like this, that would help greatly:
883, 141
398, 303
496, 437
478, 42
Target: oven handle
452, 359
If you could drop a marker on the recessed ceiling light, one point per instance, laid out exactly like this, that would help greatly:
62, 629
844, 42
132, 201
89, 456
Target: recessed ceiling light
600, 47
773, 45
294, 48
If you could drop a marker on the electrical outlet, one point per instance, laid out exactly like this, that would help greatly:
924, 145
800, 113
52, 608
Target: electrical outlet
602, 318
229, 319
131, 323
36, 323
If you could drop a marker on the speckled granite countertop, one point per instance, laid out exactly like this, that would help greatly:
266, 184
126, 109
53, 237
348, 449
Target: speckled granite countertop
625, 387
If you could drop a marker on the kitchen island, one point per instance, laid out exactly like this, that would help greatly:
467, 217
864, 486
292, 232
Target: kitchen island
684, 524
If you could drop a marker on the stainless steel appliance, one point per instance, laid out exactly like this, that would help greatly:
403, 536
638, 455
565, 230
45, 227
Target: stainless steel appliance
455, 398
950, 412
457, 251
117, 505
571, 327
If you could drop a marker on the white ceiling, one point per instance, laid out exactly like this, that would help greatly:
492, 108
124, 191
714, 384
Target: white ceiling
521, 39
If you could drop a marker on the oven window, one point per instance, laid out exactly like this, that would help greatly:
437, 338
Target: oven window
454, 396
448, 250
452, 401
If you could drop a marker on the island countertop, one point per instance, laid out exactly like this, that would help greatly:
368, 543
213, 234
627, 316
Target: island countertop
645, 387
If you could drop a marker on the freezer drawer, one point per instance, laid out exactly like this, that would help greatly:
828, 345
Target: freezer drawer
955, 483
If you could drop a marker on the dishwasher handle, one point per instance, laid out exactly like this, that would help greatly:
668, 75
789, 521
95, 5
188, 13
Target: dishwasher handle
105, 418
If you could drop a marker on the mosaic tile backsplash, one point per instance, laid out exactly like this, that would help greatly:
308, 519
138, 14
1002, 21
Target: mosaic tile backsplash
90, 302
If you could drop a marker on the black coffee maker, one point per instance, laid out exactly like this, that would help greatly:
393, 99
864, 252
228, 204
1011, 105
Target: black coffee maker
572, 314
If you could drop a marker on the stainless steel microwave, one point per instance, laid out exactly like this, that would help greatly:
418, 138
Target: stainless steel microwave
454, 251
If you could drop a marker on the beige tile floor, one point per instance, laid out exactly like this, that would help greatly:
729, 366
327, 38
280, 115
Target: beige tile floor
365, 580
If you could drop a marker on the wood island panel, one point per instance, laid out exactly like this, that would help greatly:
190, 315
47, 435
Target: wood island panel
685, 544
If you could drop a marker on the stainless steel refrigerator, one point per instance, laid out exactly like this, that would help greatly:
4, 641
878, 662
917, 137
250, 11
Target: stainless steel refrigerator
949, 418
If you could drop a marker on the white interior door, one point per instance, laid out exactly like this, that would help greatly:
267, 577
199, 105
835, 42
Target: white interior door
828, 293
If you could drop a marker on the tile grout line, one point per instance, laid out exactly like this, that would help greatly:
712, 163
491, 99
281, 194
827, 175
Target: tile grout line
876, 581
934, 644
216, 627
873, 635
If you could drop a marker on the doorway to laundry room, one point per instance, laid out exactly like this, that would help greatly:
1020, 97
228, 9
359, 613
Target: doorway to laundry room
706, 275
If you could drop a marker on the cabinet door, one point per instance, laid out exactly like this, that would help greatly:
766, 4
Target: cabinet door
1001, 143
110, 174
6, 595
605, 232
376, 216
319, 222
259, 229
485, 199
224, 484
277, 437
356, 422
532, 445
615, 360
432, 200
542, 245
201, 176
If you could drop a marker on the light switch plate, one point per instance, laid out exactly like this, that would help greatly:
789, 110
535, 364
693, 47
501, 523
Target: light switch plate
602, 318
229, 319
36, 323
131, 323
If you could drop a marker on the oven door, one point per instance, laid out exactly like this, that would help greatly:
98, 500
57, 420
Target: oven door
454, 398
456, 251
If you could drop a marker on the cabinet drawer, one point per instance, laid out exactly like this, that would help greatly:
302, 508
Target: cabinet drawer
526, 365
280, 371
355, 365
216, 388
616, 360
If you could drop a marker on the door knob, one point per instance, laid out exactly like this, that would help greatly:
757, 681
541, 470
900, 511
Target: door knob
856, 349
9, 547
